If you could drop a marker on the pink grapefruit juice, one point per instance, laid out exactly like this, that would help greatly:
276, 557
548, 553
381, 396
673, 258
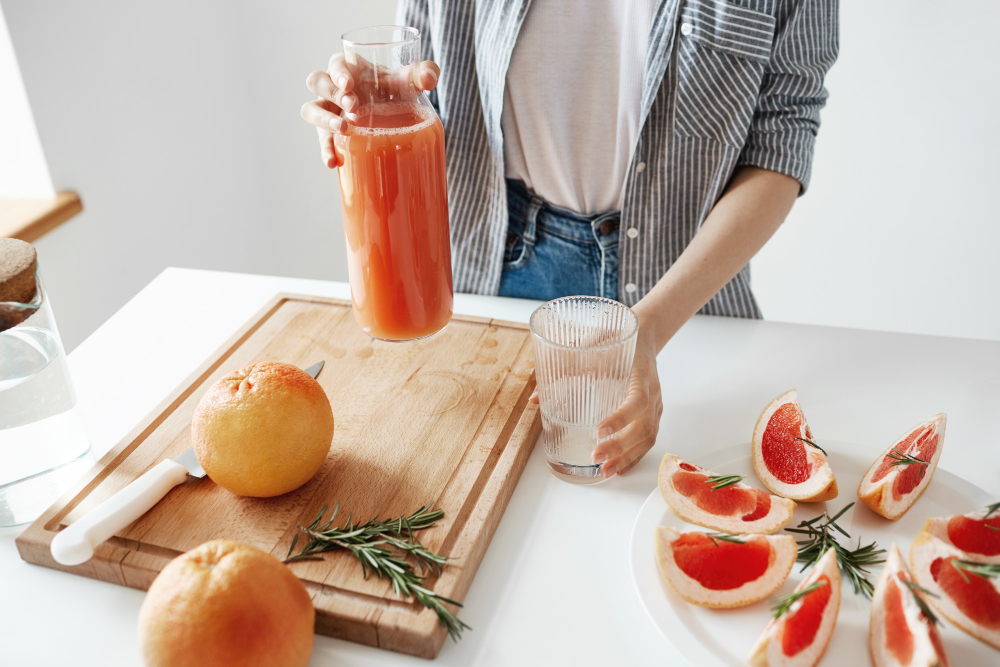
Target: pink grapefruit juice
395, 203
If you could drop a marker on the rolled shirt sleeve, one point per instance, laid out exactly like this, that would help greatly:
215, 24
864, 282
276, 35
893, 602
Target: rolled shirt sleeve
783, 131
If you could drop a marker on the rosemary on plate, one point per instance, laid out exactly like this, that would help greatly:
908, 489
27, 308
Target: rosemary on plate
990, 509
820, 537
722, 481
901, 459
984, 570
924, 607
812, 444
785, 602
389, 549
725, 537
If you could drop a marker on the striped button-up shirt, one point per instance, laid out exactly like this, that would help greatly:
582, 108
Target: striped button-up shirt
726, 83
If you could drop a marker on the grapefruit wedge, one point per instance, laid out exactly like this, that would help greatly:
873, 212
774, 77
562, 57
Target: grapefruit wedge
714, 501
898, 477
799, 636
966, 587
722, 570
783, 460
901, 633
977, 533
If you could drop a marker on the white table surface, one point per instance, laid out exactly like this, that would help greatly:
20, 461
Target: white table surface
554, 587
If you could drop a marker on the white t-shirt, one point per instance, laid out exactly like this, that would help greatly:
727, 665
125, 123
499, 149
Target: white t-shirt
572, 99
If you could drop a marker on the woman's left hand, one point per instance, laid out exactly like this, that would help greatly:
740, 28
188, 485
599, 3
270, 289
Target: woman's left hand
637, 420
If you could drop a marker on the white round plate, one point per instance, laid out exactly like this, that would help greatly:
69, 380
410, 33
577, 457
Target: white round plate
710, 638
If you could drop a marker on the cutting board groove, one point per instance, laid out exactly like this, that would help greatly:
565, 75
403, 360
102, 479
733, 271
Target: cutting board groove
445, 420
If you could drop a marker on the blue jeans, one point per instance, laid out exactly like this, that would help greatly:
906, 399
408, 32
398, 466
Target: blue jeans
553, 252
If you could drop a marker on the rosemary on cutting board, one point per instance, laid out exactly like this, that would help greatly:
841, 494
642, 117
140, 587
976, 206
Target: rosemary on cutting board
820, 537
384, 548
914, 587
990, 509
785, 602
722, 481
812, 444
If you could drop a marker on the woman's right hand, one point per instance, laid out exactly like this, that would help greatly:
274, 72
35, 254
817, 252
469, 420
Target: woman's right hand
334, 93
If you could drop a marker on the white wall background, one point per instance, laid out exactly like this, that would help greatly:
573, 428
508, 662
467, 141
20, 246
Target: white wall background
178, 124
900, 230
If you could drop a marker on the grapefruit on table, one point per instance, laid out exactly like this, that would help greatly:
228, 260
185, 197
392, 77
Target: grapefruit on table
898, 477
697, 496
799, 636
226, 604
900, 633
723, 571
966, 584
783, 457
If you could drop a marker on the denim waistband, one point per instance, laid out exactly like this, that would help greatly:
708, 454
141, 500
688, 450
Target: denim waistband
520, 200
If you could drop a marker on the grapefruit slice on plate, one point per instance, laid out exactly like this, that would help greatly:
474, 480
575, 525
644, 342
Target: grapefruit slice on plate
799, 633
976, 533
903, 630
721, 570
898, 477
714, 501
783, 457
966, 589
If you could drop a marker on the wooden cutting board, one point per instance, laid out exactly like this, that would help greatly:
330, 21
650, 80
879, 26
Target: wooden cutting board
445, 420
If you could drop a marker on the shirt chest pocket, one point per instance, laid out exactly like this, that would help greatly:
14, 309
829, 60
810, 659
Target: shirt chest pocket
722, 51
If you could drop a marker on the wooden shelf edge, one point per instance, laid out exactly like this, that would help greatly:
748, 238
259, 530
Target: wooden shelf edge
29, 219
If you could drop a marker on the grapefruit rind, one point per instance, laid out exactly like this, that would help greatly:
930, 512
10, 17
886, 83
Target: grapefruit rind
777, 518
690, 590
878, 495
821, 485
924, 550
924, 653
937, 527
767, 651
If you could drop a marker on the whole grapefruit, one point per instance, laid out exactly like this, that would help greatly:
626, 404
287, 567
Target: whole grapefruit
264, 430
226, 604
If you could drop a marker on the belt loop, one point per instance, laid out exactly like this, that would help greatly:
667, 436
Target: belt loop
532, 219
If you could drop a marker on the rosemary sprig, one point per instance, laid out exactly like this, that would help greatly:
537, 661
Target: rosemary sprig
813, 444
725, 537
785, 602
383, 547
853, 563
984, 570
990, 509
901, 459
914, 588
722, 481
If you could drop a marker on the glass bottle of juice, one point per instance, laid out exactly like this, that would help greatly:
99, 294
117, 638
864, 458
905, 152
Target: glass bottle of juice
393, 191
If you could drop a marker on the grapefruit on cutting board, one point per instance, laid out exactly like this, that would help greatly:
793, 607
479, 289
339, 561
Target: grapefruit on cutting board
898, 477
799, 636
713, 571
783, 458
900, 633
966, 584
705, 498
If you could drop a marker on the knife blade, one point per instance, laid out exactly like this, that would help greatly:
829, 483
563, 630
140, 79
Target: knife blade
75, 544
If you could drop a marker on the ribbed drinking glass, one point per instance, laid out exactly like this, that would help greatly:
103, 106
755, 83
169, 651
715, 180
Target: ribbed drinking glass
584, 347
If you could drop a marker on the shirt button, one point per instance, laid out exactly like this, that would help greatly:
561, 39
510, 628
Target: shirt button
630, 288
632, 232
686, 29
640, 167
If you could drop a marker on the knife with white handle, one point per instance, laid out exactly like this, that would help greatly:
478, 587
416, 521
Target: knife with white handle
76, 543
